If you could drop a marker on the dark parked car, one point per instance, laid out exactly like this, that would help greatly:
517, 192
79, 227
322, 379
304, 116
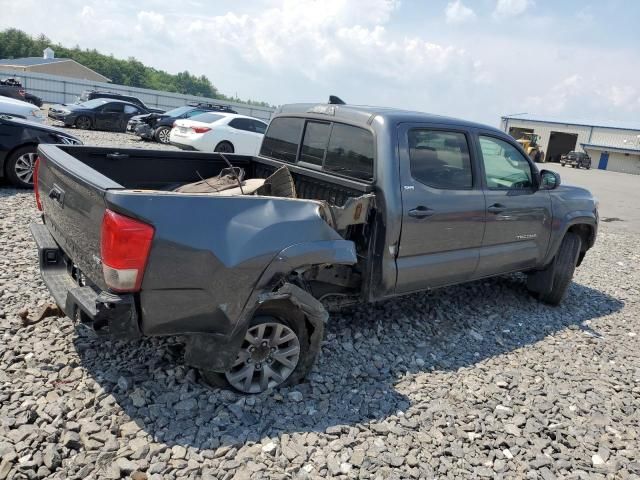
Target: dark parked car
93, 94
97, 114
343, 205
12, 88
576, 160
155, 126
19, 140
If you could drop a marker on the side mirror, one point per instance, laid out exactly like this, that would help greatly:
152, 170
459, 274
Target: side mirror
549, 180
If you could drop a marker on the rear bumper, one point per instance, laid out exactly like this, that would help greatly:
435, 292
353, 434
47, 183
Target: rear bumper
104, 311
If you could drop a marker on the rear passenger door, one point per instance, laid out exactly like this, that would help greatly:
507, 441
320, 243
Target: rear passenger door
109, 116
245, 138
519, 218
443, 208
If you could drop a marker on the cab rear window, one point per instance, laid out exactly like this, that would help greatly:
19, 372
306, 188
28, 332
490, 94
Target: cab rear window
282, 139
334, 147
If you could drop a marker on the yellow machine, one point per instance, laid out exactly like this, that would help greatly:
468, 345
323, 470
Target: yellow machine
529, 142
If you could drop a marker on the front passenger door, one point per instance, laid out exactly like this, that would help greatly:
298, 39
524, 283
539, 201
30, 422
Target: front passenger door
518, 213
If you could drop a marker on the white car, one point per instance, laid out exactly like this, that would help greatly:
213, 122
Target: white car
219, 132
20, 109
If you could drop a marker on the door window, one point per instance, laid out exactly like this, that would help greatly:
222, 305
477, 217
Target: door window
131, 110
113, 108
505, 167
259, 127
440, 159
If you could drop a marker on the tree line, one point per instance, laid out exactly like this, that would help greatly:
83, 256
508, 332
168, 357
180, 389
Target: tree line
15, 43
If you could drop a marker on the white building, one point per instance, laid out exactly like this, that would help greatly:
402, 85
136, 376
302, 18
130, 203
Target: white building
611, 147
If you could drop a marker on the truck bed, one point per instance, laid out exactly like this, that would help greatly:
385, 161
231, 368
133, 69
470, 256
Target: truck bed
209, 252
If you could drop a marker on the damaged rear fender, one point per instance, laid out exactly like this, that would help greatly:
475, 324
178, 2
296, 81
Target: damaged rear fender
215, 353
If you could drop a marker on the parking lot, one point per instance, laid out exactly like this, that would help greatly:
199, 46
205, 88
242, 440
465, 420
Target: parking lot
474, 381
618, 193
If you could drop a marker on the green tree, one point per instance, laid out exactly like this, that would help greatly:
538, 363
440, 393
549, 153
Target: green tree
15, 43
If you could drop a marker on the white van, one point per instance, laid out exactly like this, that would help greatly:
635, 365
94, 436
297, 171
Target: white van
18, 108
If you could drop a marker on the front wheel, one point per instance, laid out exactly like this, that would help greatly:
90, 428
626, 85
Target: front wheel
162, 135
274, 352
557, 276
83, 123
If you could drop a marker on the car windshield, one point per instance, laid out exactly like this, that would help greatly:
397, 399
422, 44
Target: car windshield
96, 102
176, 112
207, 117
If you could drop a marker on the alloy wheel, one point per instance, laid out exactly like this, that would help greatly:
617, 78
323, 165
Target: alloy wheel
24, 167
163, 135
269, 354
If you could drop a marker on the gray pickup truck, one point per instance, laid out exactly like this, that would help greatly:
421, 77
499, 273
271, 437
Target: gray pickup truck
382, 203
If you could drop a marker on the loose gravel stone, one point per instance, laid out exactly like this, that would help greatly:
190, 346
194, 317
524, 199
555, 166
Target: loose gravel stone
472, 381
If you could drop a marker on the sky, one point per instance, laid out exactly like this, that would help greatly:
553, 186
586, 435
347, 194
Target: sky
478, 60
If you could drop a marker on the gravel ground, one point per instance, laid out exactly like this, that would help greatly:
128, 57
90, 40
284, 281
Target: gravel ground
466, 382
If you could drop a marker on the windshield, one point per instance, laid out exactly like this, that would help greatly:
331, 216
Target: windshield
207, 117
96, 102
176, 112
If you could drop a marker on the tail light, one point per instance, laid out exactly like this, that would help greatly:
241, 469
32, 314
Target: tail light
36, 167
124, 248
174, 125
200, 129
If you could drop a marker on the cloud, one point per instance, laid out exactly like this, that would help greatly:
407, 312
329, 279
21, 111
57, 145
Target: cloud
154, 21
511, 8
456, 13
365, 51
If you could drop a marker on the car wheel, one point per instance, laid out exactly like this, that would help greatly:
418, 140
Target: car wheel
162, 135
558, 275
274, 352
562, 164
224, 147
19, 167
83, 122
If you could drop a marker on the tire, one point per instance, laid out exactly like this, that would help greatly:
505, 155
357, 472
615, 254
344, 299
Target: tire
562, 164
162, 135
263, 367
19, 166
563, 266
224, 147
83, 122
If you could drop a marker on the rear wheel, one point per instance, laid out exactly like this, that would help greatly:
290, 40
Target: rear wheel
162, 135
83, 122
558, 275
274, 352
224, 147
20, 165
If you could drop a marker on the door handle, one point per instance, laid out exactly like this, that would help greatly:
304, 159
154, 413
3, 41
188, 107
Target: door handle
421, 212
496, 208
